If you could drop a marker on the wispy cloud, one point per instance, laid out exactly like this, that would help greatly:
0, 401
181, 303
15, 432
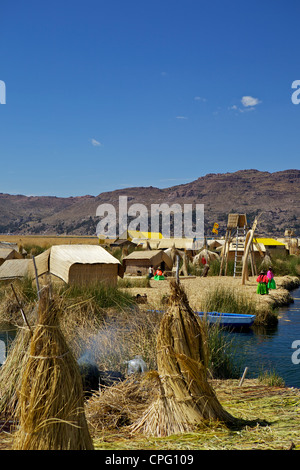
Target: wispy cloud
181, 117
249, 101
248, 104
95, 143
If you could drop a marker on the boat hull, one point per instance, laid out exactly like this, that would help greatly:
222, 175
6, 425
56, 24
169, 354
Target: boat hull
233, 320
226, 320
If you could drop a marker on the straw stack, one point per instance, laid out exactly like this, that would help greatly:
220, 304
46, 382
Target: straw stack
185, 397
11, 373
51, 405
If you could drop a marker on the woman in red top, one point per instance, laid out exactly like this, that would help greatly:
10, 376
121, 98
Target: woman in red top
262, 280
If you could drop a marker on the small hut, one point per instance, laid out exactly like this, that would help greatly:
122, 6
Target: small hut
272, 245
15, 269
7, 253
80, 264
138, 262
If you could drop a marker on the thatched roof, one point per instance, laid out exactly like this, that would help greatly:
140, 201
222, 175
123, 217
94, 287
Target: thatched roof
178, 243
149, 256
9, 253
15, 268
144, 254
59, 259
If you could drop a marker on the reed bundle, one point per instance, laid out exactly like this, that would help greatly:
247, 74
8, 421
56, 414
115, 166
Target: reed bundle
186, 397
11, 373
50, 408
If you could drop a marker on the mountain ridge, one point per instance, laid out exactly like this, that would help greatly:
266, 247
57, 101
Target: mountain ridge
276, 195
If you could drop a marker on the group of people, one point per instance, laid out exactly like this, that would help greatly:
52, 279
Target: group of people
157, 275
265, 282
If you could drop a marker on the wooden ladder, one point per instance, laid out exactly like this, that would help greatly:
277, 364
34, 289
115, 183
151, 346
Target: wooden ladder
238, 255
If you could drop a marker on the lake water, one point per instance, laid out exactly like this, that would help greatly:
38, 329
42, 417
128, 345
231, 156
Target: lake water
272, 349
259, 349
7, 335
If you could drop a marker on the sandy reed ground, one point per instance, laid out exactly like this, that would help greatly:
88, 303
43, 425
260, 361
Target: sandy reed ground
198, 287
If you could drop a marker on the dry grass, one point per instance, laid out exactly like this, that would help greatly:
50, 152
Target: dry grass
120, 406
45, 241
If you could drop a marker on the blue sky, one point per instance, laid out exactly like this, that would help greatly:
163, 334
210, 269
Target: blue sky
103, 95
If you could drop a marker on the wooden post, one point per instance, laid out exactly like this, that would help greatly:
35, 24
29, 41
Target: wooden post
36, 278
21, 309
177, 269
243, 376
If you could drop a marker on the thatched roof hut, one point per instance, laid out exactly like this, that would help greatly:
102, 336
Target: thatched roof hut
7, 252
80, 264
15, 269
139, 262
178, 243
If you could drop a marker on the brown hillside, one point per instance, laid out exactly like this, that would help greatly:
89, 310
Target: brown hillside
277, 195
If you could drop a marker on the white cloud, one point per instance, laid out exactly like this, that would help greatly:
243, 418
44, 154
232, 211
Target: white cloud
95, 143
181, 117
249, 101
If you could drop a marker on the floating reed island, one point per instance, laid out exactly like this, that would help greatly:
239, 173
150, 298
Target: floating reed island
205, 292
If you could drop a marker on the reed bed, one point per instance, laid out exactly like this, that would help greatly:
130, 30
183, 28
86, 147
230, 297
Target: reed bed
120, 406
277, 428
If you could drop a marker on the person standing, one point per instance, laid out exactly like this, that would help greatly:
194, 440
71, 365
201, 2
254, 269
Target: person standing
262, 287
150, 272
271, 280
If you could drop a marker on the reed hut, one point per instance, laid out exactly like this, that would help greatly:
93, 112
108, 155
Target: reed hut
7, 253
259, 250
138, 262
15, 269
271, 245
80, 264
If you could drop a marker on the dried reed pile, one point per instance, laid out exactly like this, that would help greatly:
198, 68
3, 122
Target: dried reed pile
186, 398
50, 408
121, 405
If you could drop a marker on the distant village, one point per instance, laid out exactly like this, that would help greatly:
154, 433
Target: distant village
84, 263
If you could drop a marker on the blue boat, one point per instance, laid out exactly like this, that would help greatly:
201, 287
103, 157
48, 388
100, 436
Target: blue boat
226, 320
231, 320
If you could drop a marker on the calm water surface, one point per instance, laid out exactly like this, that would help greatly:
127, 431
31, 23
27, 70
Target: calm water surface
271, 349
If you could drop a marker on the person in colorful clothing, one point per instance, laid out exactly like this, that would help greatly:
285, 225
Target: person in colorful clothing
271, 282
158, 276
262, 287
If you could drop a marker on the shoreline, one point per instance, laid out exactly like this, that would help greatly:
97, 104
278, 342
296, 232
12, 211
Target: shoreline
197, 288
